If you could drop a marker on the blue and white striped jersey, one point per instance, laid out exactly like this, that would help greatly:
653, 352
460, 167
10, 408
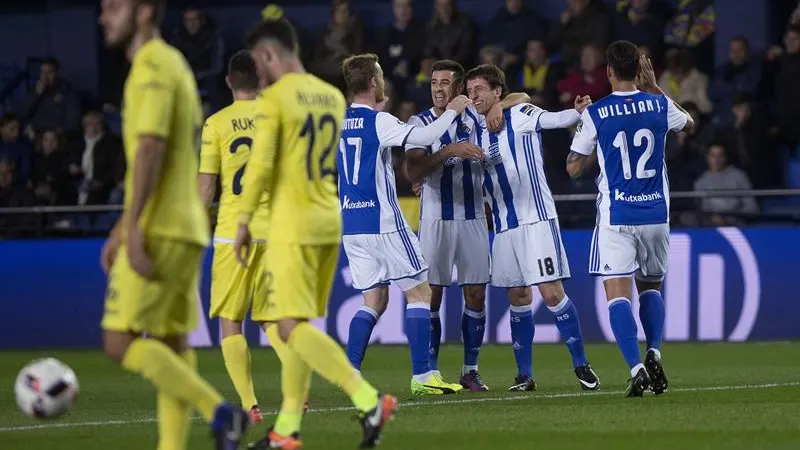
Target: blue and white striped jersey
453, 191
367, 191
630, 130
514, 175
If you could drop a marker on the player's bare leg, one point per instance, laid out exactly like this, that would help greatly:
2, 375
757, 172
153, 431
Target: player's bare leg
361, 325
620, 313
565, 316
522, 331
437, 292
651, 314
236, 354
473, 325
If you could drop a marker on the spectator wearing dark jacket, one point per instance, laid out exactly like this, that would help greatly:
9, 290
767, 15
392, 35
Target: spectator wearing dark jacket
451, 34
786, 104
749, 146
584, 22
740, 75
100, 159
53, 104
53, 183
342, 37
13, 195
512, 27
15, 148
200, 41
399, 46
641, 22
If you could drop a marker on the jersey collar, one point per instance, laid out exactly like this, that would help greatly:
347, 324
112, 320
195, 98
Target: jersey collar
625, 92
360, 105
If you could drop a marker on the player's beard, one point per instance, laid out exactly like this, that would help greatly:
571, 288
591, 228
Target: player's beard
123, 37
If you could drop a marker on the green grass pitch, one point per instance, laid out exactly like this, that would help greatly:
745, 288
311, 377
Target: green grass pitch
722, 396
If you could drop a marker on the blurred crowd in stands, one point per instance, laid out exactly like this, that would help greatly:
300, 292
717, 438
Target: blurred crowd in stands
56, 151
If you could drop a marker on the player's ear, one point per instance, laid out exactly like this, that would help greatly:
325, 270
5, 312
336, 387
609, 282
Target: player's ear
609, 72
228, 82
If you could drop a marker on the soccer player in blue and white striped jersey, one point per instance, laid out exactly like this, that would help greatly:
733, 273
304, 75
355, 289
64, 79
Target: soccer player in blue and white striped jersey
629, 130
527, 249
379, 245
453, 230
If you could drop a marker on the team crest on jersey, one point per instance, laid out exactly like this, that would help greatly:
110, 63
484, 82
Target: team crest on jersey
579, 127
463, 129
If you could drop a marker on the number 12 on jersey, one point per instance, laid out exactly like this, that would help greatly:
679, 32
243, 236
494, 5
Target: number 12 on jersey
621, 142
344, 148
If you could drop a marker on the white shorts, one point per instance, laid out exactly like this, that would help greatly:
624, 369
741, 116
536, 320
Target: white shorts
620, 250
528, 255
378, 259
460, 243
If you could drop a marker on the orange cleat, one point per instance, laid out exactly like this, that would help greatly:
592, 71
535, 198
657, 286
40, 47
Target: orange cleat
276, 441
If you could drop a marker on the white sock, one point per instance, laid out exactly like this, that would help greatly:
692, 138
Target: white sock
423, 377
636, 368
467, 369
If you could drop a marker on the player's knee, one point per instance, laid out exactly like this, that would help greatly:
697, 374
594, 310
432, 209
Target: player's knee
475, 297
285, 329
115, 346
230, 327
520, 296
419, 294
552, 293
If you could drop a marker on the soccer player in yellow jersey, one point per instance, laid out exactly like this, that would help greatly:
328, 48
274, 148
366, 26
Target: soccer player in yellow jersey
293, 159
227, 138
154, 252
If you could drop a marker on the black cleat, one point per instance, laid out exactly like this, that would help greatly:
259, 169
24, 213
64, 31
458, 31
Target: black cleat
523, 383
587, 377
638, 384
658, 380
274, 440
372, 421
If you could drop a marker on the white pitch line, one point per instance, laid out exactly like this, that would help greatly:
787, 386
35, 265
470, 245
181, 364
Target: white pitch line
413, 404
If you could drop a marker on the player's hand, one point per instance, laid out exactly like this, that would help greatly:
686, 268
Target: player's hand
137, 253
466, 150
582, 102
109, 253
494, 118
646, 78
241, 246
417, 188
459, 103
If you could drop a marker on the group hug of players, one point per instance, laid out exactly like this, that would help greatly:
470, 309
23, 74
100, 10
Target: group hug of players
302, 174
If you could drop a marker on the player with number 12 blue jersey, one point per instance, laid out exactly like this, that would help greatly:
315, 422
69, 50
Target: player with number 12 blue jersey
629, 129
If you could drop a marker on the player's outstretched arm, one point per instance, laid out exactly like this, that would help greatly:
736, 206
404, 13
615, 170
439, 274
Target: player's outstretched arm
564, 119
646, 80
494, 118
425, 136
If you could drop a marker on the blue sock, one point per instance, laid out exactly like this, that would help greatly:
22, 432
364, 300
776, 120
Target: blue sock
569, 325
436, 340
360, 331
473, 324
418, 331
651, 313
623, 324
522, 338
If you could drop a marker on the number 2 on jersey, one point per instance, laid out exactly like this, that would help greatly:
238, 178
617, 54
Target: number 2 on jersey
237, 177
343, 147
621, 142
326, 168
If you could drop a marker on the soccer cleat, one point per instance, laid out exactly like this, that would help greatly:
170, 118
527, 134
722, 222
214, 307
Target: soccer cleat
472, 381
276, 441
523, 383
587, 377
658, 380
435, 385
372, 421
255, 415
228, 426
638, 384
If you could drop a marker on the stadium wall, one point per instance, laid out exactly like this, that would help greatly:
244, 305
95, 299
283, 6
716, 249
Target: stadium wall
723, 284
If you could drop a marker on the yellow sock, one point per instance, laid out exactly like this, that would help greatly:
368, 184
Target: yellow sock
173, 415
295, 383
170, 374
327, 359
236, 354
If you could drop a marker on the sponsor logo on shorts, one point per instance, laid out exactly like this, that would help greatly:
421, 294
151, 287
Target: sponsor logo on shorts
349, 204
620, 196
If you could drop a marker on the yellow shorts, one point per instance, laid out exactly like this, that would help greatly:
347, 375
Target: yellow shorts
298, 284
162, 306
233, 286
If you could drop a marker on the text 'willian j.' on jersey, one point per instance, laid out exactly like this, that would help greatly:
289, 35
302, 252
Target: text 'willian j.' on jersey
453, 191
514, 174
629, 130
367, 191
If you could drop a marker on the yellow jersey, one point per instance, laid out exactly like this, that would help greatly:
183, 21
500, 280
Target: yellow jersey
227, 139
161, 100
293, 159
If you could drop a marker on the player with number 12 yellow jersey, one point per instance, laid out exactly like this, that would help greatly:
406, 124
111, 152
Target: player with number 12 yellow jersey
227, 138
